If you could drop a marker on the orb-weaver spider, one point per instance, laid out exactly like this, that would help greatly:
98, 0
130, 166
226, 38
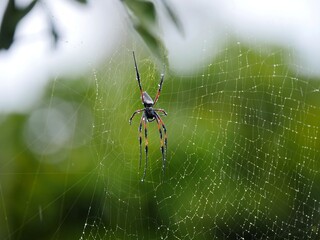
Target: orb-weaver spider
149, 114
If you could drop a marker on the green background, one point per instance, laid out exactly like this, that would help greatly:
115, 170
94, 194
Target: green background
243, 156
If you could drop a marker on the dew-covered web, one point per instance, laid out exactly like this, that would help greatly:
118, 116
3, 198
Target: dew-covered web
242, 161
243, 151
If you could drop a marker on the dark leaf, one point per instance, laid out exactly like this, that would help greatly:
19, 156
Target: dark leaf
173, 16
54, 33
12, 16
82, 1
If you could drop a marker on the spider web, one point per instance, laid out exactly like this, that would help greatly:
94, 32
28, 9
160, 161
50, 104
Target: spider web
242, 160
243, 152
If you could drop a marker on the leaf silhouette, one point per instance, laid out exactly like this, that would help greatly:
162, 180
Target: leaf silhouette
12, 16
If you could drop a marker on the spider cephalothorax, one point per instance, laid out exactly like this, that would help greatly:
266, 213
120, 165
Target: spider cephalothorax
150, 114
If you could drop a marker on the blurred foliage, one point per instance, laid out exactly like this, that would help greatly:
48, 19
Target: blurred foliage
13, 15
242, 158
82, 1
142, 12
144, 18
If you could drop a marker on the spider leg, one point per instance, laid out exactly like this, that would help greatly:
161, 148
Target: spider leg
160, 110
165, 131
159, 90
161, 146
165, 142
138, 76
140, 140
138, 111
146, 146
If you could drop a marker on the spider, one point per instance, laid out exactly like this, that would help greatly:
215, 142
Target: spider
150, 114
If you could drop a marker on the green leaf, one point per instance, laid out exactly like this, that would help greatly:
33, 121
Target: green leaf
143, 15
82, 1
144, 11
152, 41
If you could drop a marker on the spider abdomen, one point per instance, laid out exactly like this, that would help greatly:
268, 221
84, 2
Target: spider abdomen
147, 100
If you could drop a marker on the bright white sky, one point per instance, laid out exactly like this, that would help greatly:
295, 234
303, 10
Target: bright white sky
91, 33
